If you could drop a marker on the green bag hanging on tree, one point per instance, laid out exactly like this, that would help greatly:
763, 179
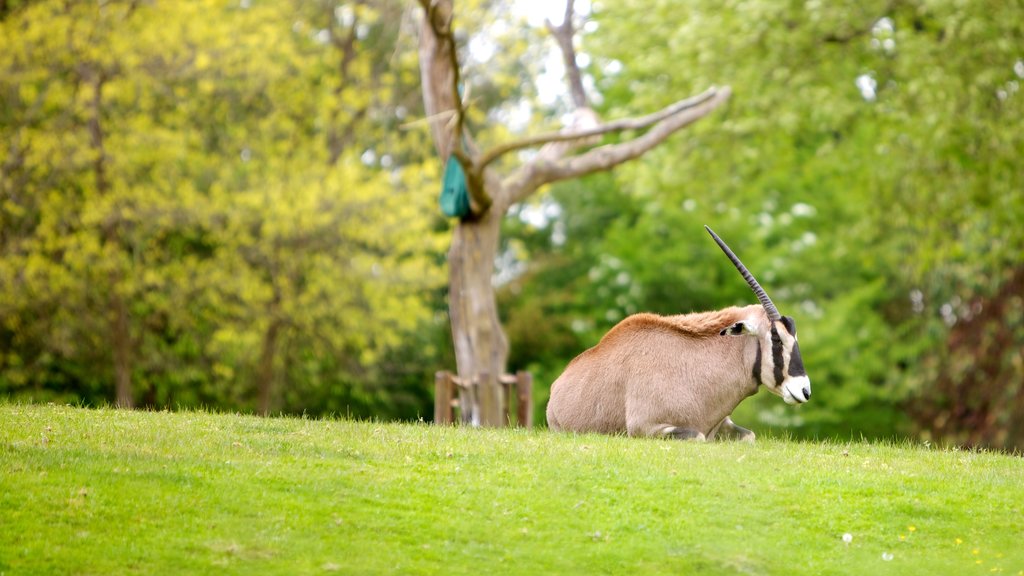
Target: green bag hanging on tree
454, 191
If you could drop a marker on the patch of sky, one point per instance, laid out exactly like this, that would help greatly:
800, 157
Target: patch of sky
917, 301
507, 266
369, 157
867, 86
537, 11
885, 25
482, 48
810, 309
345, 15
550, 82
540, 214
805, 241
612, 67
802, 210
883, 32
580, 325
558, 236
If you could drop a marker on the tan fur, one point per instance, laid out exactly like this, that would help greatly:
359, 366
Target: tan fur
653, 374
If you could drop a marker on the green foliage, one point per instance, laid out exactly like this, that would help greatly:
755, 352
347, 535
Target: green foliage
248, 493
228, 181
866, 170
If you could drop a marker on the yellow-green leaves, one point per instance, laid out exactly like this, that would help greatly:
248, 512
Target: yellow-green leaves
207, 163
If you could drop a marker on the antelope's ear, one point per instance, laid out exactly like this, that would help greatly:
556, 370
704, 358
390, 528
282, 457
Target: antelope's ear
739, 328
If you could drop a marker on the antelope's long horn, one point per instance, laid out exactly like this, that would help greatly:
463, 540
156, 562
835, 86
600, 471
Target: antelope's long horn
773, 312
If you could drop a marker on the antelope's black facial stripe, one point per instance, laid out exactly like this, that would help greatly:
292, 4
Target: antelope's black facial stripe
777, 359
757, 365
796, 363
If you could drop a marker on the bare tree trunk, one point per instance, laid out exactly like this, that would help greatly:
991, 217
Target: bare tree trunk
265, 369
481, 349
120, 330
121, 347
344, 39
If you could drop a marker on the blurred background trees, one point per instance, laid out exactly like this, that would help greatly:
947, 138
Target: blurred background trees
233, 203
208, 203
867, 170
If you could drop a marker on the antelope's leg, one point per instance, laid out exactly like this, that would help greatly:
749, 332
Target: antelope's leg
729, 429
678, 433
663, 430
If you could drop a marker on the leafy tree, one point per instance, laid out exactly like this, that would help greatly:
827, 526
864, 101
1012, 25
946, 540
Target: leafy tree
863, 173
209, 203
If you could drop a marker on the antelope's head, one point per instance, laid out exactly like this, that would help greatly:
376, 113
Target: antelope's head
778, 364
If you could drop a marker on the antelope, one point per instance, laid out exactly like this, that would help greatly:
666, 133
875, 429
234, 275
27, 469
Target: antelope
681, 376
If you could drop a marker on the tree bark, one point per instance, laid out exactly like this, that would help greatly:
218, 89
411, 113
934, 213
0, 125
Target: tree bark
121, 347
563, 34
265, 368
481, 348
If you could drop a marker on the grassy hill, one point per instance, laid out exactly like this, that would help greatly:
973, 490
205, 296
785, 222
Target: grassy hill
110, 492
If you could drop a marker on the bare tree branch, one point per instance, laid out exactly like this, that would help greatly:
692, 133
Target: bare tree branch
615, 126
563, 35
547, 168
552, 163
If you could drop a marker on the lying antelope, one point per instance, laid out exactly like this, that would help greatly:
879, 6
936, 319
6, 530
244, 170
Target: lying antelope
681, 376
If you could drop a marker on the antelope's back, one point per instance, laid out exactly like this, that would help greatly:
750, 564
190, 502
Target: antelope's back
590, 395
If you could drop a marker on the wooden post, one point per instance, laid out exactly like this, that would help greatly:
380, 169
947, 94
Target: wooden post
507, 381
442, 397
467, 399
524, 399
446, 385
482, 397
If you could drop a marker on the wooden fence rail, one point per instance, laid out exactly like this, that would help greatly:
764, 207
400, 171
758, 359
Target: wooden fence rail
450, 391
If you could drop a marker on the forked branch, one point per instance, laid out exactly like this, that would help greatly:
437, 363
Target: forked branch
606, 128
563, 35
554, 162
545, 169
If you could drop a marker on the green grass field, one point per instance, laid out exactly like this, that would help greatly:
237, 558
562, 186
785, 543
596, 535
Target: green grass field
112, 492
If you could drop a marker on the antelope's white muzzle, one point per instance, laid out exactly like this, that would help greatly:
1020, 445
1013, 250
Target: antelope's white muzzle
796, 389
